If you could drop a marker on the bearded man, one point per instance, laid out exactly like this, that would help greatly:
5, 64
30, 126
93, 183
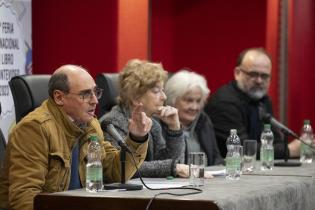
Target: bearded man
237, 104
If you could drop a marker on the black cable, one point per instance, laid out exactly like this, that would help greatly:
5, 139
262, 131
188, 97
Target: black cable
175, 194
196, 190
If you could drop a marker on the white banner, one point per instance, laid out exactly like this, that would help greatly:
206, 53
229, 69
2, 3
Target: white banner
15, 53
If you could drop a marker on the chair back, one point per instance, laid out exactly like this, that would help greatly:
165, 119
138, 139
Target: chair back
110, 83
28, 92
2, 144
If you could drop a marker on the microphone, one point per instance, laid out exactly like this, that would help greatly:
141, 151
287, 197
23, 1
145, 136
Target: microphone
109, 128
275, 123
268, 118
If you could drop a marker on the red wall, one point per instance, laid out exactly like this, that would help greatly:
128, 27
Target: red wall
203, 35
73, 31
132, 31
206, 36
273, 47
301, 100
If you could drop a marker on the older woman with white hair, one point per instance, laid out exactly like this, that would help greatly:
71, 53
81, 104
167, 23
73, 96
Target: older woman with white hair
188, 91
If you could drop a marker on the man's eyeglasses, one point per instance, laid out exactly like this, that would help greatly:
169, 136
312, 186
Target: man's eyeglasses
255, 75
86, 95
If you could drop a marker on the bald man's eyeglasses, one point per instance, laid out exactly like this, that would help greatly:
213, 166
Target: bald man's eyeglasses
255, 75
87, 95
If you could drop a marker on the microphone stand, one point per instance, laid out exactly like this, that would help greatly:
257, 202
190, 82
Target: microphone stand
123, 185
286, 163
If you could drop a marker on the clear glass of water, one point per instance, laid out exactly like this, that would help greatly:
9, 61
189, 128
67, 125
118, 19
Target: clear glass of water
196, 162
250, 152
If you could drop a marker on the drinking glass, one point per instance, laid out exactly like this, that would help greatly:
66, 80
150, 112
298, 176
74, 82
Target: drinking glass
250, 152
196, 162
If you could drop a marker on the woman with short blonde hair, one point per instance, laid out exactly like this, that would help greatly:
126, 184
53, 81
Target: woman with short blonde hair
142, 87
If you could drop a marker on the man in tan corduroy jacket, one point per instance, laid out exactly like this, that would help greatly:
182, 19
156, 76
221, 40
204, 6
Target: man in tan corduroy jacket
39, 151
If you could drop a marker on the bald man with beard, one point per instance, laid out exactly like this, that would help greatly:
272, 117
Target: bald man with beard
236, 105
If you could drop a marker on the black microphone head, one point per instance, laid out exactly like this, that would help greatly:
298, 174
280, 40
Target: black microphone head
267, 117
111, 130
104, 125
263, 115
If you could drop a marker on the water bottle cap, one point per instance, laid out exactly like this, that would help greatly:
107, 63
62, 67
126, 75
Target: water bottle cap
267, 126
93, 138
233, 131
307, 122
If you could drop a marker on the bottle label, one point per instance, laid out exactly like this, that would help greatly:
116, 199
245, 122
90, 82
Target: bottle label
267, 155
233, 163
306, 154
94, 173
267, 158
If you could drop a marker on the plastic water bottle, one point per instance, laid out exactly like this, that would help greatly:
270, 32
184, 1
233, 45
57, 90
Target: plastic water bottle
94, 168
266, 149
306, 153
233, 156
